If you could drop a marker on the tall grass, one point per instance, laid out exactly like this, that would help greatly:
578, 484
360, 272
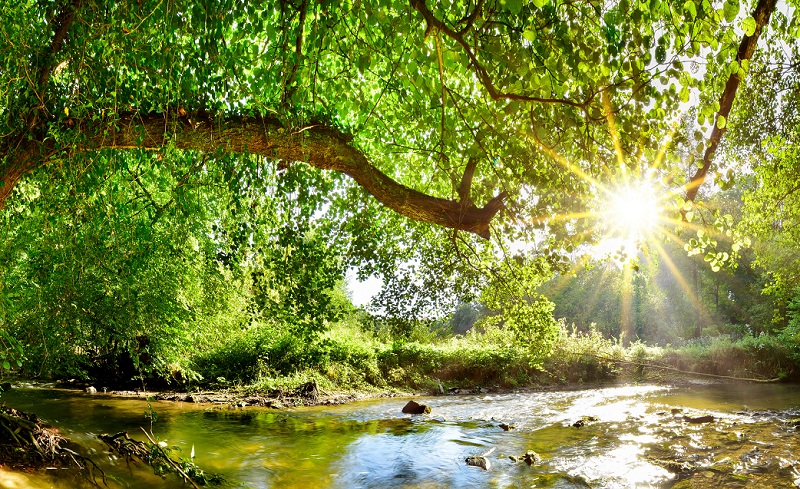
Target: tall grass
351, 357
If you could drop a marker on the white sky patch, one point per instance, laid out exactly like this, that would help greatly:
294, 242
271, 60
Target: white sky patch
362, 292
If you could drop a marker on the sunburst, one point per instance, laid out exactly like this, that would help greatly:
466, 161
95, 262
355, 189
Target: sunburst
632, 210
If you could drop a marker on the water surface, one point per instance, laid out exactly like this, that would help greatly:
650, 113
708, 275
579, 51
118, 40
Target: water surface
632, 436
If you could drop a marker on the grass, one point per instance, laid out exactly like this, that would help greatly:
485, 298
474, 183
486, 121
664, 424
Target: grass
348, 358
352, 358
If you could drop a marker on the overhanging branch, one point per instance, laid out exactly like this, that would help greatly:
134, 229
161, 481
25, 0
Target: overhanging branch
434, 23
747, 47
319, 146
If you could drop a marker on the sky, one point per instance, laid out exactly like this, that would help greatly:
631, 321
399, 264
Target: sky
362, 292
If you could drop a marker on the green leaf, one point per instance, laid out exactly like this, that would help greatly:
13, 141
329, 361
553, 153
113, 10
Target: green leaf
515, 6
6, 365
540, 3
661, 53
730, 10
690, 9
749, 25
529, 35
721, 122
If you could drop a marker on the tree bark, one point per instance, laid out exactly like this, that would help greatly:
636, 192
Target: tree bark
317, 145
747, 47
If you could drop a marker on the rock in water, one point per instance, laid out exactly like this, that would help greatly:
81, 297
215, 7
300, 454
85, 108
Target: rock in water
91, 390
531, 457
478, 461
416, 408
699, 419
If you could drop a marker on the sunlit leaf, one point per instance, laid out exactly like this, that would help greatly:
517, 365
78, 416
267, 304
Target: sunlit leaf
749, 26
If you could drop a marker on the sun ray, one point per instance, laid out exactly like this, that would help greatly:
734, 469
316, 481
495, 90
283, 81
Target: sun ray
662, 151
569, 166
612, 127
685, 286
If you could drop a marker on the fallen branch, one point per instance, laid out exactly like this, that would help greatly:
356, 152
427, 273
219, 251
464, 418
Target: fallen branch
677, 370
155, 455
169, 460
27, 442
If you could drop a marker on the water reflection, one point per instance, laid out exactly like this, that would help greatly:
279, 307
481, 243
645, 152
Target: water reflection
630, 436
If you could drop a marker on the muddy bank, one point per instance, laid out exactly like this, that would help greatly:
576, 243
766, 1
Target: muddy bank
310, 394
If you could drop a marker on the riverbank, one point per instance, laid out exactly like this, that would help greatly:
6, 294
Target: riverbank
350, 368
583, 436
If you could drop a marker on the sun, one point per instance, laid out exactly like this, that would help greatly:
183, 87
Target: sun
632, 211
628, 214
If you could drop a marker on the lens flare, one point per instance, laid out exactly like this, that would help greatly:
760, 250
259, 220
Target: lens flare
632, 212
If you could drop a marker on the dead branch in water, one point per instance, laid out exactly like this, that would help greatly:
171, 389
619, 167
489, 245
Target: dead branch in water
28, 442
157, 456
677, 370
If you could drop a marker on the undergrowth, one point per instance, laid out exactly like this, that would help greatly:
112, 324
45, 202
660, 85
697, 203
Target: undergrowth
349, 357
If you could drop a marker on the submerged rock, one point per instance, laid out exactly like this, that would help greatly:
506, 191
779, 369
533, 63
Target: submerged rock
506, 426
478, 461
91, 390
530, 457
584, 420
699, 419
414, 407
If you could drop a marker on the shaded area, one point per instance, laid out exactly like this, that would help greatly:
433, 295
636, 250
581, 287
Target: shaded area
26, 443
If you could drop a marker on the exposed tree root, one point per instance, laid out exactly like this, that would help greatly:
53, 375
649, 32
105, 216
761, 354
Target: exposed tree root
26, 442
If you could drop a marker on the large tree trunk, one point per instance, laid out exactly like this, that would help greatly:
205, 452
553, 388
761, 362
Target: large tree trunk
317, 145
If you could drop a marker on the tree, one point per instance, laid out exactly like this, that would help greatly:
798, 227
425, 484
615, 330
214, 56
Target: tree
430, 108
489, 119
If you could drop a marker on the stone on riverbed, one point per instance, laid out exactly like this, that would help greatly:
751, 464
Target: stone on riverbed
91, 389
584, 421
530, 457
699, 419
414, 407
478, 461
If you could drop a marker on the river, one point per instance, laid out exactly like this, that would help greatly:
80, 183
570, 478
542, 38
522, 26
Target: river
632, 436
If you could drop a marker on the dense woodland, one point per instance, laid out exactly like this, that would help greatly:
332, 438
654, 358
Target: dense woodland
185, 186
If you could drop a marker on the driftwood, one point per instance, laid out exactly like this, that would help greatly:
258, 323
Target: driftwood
157, 456
27, 442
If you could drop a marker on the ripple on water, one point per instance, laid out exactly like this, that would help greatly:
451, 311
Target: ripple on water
630, 437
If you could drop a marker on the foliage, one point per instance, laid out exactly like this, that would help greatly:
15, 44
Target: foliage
170, 217
125, 282
763, 357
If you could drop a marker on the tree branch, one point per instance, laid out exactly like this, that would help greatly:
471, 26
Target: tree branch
465, 190
746, 49
289, 89
480, 70
63, 23
319, 146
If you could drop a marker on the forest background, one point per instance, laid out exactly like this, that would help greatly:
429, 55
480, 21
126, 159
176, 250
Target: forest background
186, 186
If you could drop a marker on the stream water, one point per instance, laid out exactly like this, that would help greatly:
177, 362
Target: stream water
632, 436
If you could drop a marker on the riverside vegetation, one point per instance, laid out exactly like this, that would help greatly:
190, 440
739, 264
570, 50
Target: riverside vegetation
186, 187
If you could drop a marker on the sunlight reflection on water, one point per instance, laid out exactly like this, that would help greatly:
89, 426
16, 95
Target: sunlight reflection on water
625, 436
